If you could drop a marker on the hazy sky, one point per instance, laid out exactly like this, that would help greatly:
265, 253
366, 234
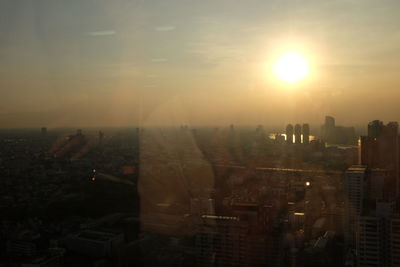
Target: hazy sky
124, 62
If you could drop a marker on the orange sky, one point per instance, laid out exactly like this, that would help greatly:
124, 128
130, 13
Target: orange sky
68, 63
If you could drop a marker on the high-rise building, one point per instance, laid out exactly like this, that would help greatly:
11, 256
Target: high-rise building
380, 150
289, 134
246, 238
329, 122
43, 131
297, 134
368, 245
229, 241
329, 128
375, 128
354, 185
393, 231
306, 133
378, 237
101, 137
337, 134
372, 220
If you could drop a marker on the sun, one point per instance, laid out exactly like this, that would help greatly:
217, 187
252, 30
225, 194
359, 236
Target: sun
291, 67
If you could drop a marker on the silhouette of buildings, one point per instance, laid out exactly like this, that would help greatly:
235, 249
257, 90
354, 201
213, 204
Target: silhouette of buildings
101, 137
306, 133
297, 134
289, 134
372, 220
43, 131
378, 236
337, 134
372, 226
380, 150
354, 184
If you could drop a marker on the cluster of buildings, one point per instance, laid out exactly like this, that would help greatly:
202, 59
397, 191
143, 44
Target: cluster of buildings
208, 197
298, 135
275, 218
265, 203
53, 213
333, 134
371, 195
330, 133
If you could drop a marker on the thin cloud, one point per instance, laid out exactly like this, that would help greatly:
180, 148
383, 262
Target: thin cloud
165, 28
102, 33
159, 60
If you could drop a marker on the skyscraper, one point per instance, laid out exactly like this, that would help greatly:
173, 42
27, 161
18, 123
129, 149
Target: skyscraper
372, 226
43, 131
328, 128
354, 185
329, 122
101, 137
289, 134
306, 133
371, 197
297, 133
375, 128
380, 150
378, 236
337, 134
368, 249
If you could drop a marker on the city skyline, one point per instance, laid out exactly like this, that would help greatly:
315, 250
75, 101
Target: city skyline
244, 133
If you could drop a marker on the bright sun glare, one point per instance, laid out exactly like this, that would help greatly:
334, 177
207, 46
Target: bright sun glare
291, 67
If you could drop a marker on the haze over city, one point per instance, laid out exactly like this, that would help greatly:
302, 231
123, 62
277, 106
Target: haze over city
242, 133
117, 63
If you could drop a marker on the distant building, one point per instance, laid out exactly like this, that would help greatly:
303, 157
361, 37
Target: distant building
328, 129
101, 137
306, 133
375, 129
289, 134
297, 134
337, 134
279, 139
43, 131
329, 124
